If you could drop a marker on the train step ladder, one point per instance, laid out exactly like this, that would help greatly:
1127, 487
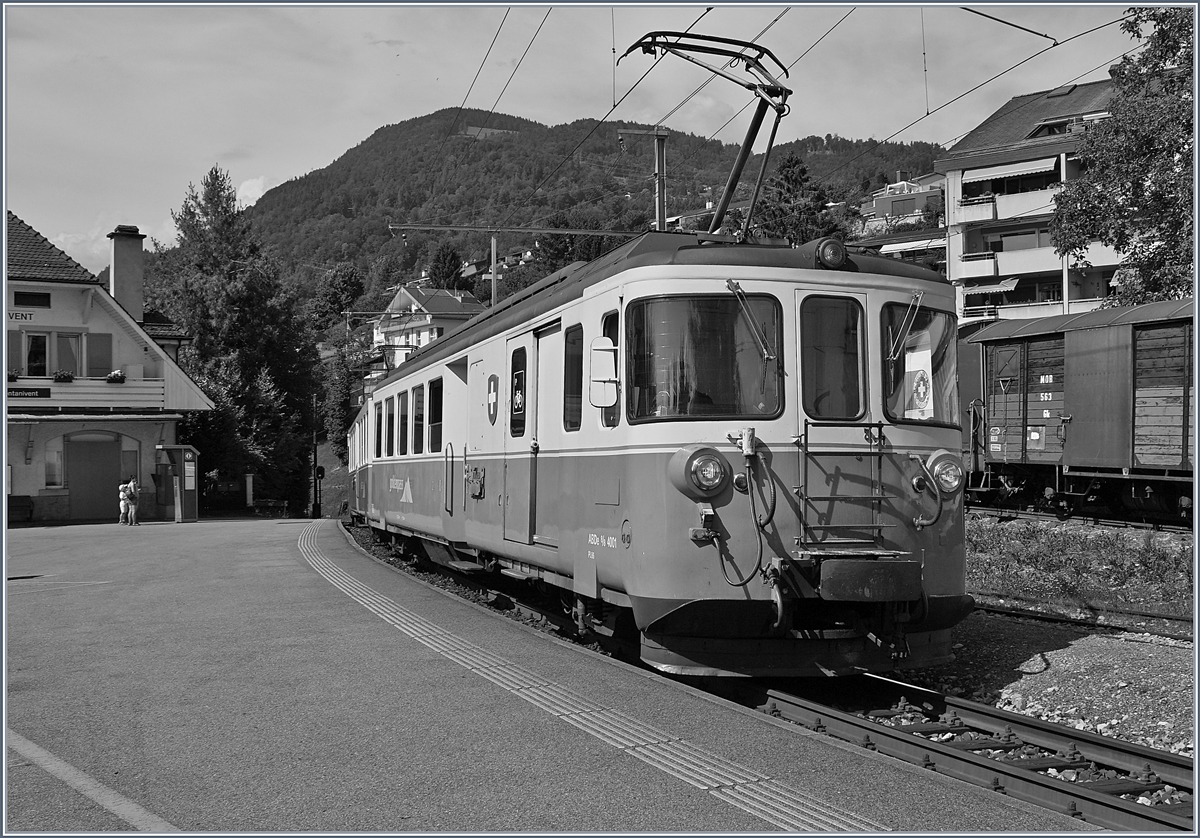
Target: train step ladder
821, 537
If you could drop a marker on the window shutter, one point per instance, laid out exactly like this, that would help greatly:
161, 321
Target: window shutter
99, 355
14, 350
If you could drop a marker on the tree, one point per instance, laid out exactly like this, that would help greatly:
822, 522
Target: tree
252, 353
792, 207
1137, 187
445, 267
337, 291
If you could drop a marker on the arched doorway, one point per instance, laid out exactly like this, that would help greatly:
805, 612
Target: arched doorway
92, 472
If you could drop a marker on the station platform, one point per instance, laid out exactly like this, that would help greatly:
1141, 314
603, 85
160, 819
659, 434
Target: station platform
357, 698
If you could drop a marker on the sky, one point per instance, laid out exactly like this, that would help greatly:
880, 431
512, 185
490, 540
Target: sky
111, 111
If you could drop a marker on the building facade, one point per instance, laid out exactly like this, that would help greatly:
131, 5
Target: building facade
418, 316
1001, 180
91, 397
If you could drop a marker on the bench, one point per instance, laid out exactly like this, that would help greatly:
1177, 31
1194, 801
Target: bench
20, 508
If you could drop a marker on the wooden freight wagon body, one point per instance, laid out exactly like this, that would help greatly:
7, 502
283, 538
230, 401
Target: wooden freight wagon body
1108, 390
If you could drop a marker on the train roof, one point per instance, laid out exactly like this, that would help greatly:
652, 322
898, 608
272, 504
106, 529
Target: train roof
649, 249
1101, 317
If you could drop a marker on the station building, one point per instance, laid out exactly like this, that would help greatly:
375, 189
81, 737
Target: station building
92, 397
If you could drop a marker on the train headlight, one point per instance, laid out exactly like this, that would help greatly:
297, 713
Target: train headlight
831, 253
700, 472
947, 471
708, 472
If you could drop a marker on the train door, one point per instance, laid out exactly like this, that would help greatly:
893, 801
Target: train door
547, 485
1005, 397
520, 438
482, 406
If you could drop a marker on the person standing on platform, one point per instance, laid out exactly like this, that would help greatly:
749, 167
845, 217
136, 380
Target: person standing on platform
123, 497
133, 501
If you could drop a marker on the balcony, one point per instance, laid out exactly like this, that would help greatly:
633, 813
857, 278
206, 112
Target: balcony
1101, 255
974, 210
1025, 204
976, 266
38, 391
1028, 261
1025, 311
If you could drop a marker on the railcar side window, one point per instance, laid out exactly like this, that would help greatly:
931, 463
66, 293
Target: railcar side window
402, 425
516, 414
389, 411
920, 378
831, 357
701, 357
378, 429
418, 406
573, 378
435, 415
611, 328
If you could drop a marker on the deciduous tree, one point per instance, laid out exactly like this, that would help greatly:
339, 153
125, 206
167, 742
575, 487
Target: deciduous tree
1137, 189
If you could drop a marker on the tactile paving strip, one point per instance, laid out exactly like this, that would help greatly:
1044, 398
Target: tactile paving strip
748, 790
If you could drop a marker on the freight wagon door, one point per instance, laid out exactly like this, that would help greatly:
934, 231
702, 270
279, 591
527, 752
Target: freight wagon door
1005, 397
520, 438
1099, 398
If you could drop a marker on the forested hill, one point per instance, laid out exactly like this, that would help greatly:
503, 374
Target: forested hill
443, 169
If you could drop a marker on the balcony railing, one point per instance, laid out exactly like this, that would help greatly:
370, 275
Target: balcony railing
34, 391
976, 265
1028, 261
1026, 204
1025, 311
974, 210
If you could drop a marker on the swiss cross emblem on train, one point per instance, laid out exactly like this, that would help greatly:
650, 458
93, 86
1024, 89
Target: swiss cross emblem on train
493, 398
921, 389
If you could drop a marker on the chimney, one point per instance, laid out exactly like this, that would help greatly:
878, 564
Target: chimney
901, 176
127, 269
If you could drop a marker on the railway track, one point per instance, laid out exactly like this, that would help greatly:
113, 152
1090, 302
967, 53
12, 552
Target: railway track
1013, 514
1105, 782
1092, 777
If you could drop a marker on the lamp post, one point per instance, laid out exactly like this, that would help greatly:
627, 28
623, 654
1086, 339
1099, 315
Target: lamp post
316, 475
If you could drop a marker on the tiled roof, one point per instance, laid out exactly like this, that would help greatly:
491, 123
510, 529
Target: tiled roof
32, 257
159, 327
439, 301
1009, 128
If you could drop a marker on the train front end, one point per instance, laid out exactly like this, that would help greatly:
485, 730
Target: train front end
795, 498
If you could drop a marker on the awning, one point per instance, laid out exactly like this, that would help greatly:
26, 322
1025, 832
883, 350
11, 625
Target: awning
993, 287
905, 247
1028, 167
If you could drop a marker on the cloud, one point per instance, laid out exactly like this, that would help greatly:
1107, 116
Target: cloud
251, 190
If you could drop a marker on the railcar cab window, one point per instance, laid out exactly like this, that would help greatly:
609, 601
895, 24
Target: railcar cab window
418, 406
831, 357
704, 356
435, 415
920, 365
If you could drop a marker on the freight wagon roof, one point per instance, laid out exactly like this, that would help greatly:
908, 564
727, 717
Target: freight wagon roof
649, 249
1148, 313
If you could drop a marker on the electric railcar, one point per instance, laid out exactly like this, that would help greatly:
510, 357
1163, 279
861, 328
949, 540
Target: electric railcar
748, 457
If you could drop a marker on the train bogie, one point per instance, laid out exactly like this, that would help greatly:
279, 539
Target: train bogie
748, 457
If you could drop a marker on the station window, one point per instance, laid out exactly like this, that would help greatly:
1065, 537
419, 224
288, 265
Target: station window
611, 329
435, 415
418, 437
31, 299
831, 357
402, 425
389, 411
516, 414
573, 378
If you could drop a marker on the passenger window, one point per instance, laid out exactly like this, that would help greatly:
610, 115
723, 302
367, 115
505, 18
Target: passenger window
418, 407
831, 357
402, 427
573, 378
435, 415
378, 429
611, 328
389, 411
516, 410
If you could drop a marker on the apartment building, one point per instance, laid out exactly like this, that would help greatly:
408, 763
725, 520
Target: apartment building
1001, 180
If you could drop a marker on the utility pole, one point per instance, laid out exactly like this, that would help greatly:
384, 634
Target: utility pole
317, 470
660, 172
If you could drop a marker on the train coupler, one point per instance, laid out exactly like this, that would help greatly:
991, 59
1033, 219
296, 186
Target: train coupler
895, 645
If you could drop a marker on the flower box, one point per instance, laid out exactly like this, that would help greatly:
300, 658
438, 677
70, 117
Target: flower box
63, 377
